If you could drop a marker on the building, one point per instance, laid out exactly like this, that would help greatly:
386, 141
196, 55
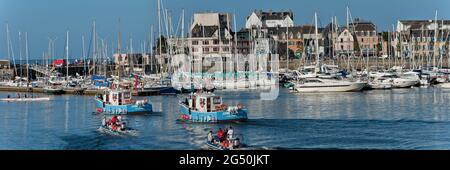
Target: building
419, 38
359, 39
344, 45
211, 34
270, 19
244, 42
366, 38
136, 61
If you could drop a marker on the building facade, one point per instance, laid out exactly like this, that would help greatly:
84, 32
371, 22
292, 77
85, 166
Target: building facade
270, 19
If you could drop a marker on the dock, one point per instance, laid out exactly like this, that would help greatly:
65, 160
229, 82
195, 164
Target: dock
75, 91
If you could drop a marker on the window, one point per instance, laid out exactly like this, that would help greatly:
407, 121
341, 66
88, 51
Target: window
194, 50
205, 49
195, 42
362, 39
206, 42
342, 47
215, 49
342, 40
216, 41
226, 48
225, 41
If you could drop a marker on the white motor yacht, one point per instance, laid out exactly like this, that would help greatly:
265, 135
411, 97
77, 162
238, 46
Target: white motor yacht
328, 85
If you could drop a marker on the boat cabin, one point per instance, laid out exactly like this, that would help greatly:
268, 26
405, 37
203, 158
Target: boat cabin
116, 97
205, 102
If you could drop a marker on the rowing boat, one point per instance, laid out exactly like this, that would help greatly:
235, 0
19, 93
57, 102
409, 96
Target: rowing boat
126, 132
25, 99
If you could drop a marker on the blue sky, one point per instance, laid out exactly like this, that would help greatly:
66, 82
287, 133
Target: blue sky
51, 18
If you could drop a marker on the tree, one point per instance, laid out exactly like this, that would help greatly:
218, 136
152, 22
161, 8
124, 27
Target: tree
379, 48
163, 44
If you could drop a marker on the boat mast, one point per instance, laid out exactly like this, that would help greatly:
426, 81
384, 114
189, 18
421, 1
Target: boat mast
159, 34
235, 48
20, 54
287, 46
26, 55
119, 52
348, 29
67, 56
151, 49
317, 42
10, 48
435, 39
94, 44
84, 55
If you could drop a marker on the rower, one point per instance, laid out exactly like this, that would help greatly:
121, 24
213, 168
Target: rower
104, 121
230, 133
236, 143
210, 137
8, 96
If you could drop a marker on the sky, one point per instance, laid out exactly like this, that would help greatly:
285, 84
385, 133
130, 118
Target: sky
42, 19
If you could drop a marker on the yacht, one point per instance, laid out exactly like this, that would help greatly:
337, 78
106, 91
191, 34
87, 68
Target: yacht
328, 85
381, 83
406, 80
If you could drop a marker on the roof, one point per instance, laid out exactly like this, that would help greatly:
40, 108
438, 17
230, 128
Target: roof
422, 24
415, 22
203, 31
363, 26
270, 15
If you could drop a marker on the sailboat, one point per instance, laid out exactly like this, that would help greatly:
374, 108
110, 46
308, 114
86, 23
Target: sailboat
317, 84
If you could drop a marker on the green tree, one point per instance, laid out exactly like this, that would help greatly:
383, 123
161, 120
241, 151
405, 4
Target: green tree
163, 45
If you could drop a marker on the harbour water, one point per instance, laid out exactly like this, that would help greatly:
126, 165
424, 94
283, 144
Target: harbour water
417, 118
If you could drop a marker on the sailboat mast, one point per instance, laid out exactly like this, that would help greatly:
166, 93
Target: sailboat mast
151, 49
287, 47
94, 44
26, 55
84, 55
235, 47
159, 33
67, 55
317, 39
435, 38
119, 52
20, 54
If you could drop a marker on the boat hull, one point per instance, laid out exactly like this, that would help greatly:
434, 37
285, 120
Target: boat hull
123, 109
213, 117
354, 87
54, 91
405, 83
26, 99
380, 86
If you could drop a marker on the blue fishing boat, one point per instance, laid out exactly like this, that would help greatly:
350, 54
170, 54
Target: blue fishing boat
208, 108
119, 101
